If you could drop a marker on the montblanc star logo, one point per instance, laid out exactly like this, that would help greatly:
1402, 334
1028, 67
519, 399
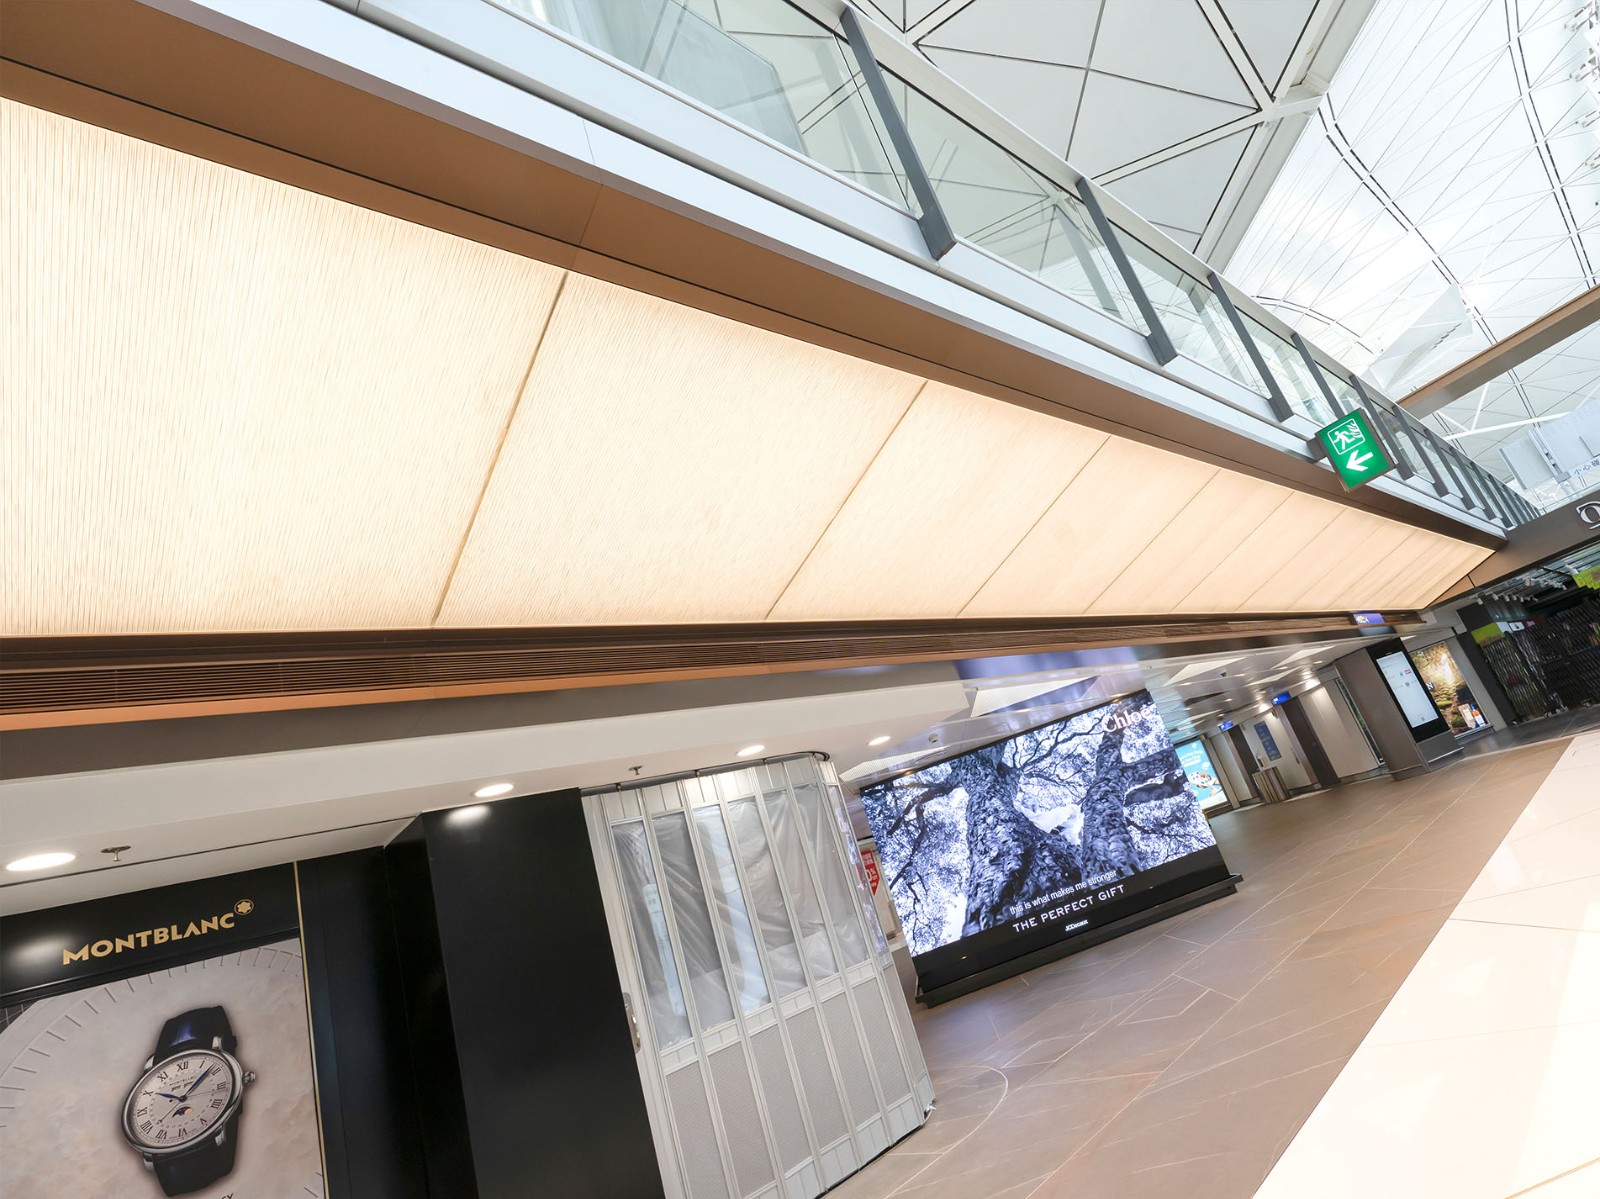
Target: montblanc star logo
244, 907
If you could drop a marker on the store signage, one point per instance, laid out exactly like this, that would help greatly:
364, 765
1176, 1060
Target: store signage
1281, 698
1264, 735
869, 860
58, 948
1354, 450
1226, 725
1589, 513
1369, 618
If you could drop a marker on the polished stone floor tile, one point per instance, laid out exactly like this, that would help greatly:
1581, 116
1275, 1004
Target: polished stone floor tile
1181, 1060
1479, 1078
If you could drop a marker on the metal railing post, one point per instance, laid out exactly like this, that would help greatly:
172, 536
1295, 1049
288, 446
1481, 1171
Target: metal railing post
1275, 397
1391, 429
1398, 415
1475, 474
1316, 373
932, 222
1091, 268
1160, 344
1452, 466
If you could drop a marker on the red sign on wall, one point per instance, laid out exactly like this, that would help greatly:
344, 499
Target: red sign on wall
869, 859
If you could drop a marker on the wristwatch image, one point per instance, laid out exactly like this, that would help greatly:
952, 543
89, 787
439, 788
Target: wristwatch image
183, 1114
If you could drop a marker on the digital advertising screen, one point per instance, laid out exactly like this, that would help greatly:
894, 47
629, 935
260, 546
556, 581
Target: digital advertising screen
1451, 693
1017, 845
1205, 781
1416, 704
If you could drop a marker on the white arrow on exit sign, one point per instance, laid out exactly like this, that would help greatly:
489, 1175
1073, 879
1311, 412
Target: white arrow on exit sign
1358, 460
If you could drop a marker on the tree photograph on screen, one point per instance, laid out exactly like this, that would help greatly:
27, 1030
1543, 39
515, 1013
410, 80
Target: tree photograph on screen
1036, 826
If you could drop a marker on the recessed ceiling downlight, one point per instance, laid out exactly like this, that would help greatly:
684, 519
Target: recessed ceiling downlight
751, 751
41, 861
877, 741
493, 790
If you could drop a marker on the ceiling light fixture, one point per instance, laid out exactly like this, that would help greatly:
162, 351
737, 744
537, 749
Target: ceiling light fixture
751, 751
877, 741
493, 789
41, 861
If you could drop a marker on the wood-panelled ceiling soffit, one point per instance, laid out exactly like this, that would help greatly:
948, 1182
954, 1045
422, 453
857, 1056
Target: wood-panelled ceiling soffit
60, 681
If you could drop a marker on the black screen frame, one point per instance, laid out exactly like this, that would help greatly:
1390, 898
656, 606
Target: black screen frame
990, 950
1438, 726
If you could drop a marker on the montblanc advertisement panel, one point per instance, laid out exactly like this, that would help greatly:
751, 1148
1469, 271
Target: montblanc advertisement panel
157, 1044
1041, 837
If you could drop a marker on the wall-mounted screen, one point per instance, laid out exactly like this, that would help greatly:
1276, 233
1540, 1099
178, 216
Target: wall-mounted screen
1416, 705
1014, 846
1205, 780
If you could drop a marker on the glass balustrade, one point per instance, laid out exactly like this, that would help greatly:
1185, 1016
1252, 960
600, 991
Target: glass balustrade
1288, 367
996, 202
778, 71
761, 63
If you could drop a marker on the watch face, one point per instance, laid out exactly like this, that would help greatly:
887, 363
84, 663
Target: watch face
180, 1100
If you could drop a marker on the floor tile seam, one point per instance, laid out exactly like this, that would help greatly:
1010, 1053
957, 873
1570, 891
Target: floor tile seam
1510, 840
1099, 1132
1479, 1034
1059, 1056
958, 1142
1312, 1028
1554, 1178
1152, 1074
1560, 882
1551, 928
1204, 991
1339, 1059
1199, 1157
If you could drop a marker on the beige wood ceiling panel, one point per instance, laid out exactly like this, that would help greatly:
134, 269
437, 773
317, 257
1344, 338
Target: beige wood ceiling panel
1227, 510
1291, 527
958, 485
1340, 583
1378, 580
233, 404
666, 464
1339, 541
1115, 507
1441, 563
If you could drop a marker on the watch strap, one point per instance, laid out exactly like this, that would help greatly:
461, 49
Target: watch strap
198, 1028
184, 1173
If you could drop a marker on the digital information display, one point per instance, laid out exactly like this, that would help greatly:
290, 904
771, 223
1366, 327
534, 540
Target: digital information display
1415, 702
1205, 781
1018, 845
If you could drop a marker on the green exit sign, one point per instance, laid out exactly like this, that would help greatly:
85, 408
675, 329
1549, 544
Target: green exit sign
1354, 450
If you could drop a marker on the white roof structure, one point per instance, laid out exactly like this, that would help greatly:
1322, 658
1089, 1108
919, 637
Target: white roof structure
1446, 195
1185, 109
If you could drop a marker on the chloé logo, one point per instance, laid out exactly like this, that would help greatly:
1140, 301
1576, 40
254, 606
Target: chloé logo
1118, 721
147, 937
1589, 514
